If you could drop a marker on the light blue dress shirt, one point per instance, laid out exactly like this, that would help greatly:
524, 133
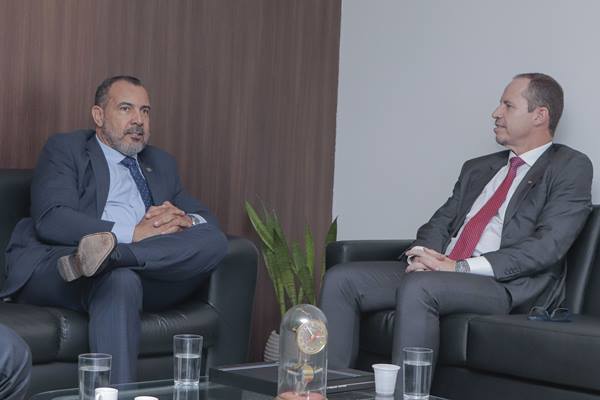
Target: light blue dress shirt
124, 204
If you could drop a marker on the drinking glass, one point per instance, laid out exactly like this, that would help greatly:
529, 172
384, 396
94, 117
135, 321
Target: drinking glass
417, 368
187, 352
94, 372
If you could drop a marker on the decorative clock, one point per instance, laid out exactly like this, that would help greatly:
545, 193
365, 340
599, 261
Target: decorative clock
302, 354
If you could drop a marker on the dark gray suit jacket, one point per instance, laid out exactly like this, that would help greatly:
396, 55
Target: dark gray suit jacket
544, 216
68, 195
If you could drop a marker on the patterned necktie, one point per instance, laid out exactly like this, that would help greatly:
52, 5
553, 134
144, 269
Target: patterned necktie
139, 180
465, 245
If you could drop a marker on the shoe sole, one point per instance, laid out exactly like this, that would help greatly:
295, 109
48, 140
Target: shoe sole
68, 269
74, 266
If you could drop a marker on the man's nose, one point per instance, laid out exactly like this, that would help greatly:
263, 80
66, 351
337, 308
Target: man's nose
137, 118
496, 113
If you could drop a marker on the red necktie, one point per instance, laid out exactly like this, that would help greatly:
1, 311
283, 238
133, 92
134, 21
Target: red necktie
465, 245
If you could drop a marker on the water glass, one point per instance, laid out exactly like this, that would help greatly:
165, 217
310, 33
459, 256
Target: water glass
417, 368
94, 372
187, 351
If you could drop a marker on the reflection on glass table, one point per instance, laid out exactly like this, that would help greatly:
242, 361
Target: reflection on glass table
164, 390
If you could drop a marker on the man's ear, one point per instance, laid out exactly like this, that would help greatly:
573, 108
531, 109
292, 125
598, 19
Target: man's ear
542, 116
98, 116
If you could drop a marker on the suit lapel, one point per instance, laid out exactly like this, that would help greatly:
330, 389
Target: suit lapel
531, 179
101, 174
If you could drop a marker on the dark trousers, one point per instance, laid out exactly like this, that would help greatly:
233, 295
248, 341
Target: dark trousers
171, 267
419, 298
15, 365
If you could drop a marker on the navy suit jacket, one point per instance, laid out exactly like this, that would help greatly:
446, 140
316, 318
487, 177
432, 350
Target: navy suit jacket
68, 194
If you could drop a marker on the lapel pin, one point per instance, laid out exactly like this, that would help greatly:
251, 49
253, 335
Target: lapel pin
530, 182
148, 169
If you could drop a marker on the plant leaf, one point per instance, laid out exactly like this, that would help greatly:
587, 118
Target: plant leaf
309, 245
305, 279
277, 286
300, 295
329, 238
262, 229
331, 233
283, 263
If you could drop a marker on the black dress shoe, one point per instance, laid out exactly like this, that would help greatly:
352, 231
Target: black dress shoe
93, 254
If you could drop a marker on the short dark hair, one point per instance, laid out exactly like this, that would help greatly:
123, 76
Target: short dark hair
104, 87
544, 91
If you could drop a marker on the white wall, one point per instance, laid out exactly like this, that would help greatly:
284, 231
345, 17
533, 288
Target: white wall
418, 82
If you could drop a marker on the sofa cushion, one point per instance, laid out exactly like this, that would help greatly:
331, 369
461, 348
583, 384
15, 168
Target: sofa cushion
193, 317
564, 353
56, 334
376, 332
376, 336
37, 326
454, 330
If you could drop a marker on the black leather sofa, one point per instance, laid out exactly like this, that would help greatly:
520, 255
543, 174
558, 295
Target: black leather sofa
503, 356
220, 311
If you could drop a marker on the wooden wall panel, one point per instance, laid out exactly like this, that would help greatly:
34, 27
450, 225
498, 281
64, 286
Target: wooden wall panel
243, 93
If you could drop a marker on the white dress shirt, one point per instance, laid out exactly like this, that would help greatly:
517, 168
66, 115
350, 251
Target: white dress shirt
492, 234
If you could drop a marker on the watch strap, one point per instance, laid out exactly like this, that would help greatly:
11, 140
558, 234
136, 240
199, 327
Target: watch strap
195, 220
462, 266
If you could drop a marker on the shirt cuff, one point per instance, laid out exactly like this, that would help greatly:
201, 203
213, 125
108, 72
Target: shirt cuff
123, 232
480, 266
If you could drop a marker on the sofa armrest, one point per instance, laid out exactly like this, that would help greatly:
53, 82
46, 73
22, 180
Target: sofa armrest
230, 292
364, 250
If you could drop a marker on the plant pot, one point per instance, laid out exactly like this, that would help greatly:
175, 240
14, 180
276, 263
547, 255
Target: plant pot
272, 347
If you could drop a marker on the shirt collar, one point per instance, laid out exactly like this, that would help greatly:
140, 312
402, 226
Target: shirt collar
112, 155
531, 156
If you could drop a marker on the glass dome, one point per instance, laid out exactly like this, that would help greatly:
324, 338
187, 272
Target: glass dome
302, 354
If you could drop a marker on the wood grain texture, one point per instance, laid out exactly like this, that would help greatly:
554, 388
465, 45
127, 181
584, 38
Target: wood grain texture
243, 93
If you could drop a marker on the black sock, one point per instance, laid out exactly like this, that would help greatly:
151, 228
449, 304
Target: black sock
122, 256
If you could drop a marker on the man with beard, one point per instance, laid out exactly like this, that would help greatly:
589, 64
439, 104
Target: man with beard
112, 231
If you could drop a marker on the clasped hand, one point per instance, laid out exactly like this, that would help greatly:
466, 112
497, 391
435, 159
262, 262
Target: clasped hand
161, 220
424, 259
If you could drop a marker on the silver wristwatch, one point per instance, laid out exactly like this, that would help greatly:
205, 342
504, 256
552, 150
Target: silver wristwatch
462, 266
195, 220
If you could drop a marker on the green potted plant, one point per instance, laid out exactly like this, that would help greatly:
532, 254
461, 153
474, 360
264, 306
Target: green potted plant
291, 268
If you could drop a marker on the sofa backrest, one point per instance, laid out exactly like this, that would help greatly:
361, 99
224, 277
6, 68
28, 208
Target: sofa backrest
589, 297
583, 278
14, 205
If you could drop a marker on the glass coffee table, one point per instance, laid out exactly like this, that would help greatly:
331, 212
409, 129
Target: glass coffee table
206, 390
164, 390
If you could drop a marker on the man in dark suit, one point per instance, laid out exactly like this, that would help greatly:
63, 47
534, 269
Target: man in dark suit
15, 365
112, 231
494, 246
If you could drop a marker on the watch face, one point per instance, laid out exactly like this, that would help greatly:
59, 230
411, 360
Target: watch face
311, 336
